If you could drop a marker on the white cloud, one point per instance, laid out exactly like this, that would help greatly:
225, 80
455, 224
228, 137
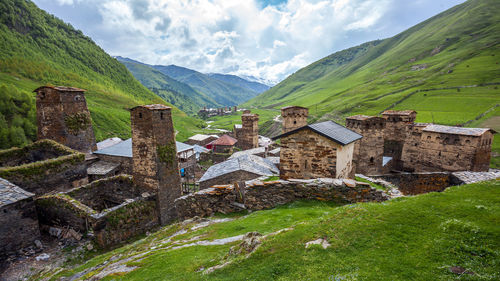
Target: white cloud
235, 36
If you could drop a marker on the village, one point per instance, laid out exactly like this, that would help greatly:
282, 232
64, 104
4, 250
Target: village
66, 184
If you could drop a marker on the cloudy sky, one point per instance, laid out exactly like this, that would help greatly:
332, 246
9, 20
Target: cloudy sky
265, 39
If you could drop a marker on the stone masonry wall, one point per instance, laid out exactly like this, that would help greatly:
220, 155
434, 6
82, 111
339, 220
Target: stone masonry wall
258, 195
248, 135
307, 155
418, 183
125, 162
369, 150
294, 117
19, 226
55, 174
63, 116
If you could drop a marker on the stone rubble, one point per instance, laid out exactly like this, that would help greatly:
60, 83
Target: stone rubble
471, 177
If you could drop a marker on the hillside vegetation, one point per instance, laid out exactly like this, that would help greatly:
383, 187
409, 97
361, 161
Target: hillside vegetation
38, 49
411, 238
177, 93
446, 68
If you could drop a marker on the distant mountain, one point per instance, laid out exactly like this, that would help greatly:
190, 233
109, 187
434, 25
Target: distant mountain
223, 92
37, 48
236, 80
177, 93
267, 82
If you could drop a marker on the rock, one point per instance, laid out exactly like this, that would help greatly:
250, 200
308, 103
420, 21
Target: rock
72, 234
54, 231
322, 242
38, 244
460, 270
43, 257
350, 183
90, 247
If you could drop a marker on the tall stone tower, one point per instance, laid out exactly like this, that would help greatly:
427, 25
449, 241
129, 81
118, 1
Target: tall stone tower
249, 133
154, 156
369, 151
63, 116
294, 117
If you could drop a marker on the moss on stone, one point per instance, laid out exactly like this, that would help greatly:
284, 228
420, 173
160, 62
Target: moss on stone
77, 122
167, 153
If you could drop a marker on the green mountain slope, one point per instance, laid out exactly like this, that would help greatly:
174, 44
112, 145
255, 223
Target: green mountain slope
223, 92
457, 48
37, 49
177, 93
411, 238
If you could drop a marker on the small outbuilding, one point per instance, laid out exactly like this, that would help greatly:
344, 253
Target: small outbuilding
223, 144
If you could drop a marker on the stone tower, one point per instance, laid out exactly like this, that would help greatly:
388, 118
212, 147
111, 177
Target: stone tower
294, 117
249, 133
369, 151
397, 128
63, 116
155, 165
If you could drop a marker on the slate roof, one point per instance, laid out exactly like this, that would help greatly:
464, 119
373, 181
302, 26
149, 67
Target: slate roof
361, 117
252, 151
398, 112
250, 163
61, 88
330, 130
11, 193
108, 142
456, 130
101, 168
224, 140
238, 126
275, 151
124, 149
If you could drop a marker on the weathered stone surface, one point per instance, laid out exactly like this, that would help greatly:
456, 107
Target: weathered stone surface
114, 209
258, 195
43, 166
294, 117
369, 150
63, 116
155, 165
248, 134
418, 183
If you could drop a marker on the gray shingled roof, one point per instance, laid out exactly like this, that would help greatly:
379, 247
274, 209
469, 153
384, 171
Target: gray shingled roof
124, 149
252, 151
250, 163
456, 130
11, 193
101, 168
331, 130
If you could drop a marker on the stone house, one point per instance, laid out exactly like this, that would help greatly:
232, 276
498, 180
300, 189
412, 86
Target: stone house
18, 219
321, 150
259, 151
62, 116
224, 144
243, 168
43, 166
248, 136
394, 142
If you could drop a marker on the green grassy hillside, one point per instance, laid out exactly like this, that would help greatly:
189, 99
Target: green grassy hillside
223, 92
38, 49
411, 238
446, 68
177, 93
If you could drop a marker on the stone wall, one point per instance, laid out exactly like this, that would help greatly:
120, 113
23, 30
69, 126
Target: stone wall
63, 116
258, 195
228, 178
369, 150
125, 162
54, 174
19, 226
114, 209
307, 155
418, 183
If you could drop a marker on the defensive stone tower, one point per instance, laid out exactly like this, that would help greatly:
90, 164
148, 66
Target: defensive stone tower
249, 134
368, 151
63, 116
294, 117
154, 151
397, 125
